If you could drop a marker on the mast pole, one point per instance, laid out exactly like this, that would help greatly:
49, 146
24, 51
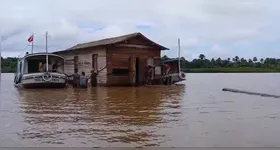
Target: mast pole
32, 44
179, 55
47, 56
0, 58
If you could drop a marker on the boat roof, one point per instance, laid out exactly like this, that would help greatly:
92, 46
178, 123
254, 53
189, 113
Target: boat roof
172, 60
40, 54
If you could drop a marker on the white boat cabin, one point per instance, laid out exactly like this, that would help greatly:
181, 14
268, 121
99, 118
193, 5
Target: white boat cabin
32, 71
34, 63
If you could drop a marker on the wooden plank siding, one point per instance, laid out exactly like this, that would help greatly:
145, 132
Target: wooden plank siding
118, 57
85, 62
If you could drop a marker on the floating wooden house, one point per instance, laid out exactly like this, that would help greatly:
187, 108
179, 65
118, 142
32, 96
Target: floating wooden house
123, 60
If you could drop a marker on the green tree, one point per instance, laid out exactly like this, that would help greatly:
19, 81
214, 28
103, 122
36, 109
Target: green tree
164, 58
201, 56
262, 60
255, 59
236, 58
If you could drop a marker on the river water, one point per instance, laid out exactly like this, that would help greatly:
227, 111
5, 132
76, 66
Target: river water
195, 113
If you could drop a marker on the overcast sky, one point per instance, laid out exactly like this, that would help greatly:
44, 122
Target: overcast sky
216, 28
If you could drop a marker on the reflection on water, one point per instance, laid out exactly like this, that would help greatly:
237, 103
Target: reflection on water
98, 116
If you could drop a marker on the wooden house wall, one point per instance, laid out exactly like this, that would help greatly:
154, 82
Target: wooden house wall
119, 56
85, 62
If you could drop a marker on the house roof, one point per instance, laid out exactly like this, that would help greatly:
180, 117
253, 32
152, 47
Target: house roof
113, 40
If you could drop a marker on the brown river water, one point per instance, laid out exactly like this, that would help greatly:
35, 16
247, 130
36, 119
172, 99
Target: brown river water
195, 113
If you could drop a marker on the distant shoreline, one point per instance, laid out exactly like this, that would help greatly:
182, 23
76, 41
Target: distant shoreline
226, 70
232, 70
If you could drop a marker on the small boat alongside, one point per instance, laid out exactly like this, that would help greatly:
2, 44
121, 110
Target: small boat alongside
173, 73
30, 74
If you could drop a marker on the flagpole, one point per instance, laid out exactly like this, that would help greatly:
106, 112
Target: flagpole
47, 57
0, 58
32, 43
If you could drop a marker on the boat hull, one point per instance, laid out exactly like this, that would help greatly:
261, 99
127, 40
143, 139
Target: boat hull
43, 80
44, 85
176, 77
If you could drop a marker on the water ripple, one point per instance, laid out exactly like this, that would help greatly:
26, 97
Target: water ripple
191, 115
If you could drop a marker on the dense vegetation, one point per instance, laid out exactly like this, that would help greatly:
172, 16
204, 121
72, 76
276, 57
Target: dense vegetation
201, 64
236, 64
8, 64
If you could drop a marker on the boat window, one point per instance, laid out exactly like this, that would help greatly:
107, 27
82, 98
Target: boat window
35, 64
120, 72
20, 66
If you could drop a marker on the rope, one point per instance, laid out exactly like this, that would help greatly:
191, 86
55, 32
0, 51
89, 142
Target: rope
102, 69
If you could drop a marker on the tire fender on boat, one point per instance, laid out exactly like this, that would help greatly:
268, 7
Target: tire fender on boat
48, 75
182, 75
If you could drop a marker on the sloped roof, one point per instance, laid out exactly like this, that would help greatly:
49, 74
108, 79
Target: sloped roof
112, 40
172, 60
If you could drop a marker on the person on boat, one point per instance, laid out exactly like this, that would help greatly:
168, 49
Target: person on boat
83, 80
45, 67
76, 78
166, 72
40, 67
167, 68
54, 67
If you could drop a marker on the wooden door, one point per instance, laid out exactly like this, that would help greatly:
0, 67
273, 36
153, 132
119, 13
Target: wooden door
132, 70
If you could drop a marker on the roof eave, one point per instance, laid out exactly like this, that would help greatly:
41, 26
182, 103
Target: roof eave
164, 48
161, 47
130, 36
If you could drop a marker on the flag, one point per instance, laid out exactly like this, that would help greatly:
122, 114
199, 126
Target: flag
30, 39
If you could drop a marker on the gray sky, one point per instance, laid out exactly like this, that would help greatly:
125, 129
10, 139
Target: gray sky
216, 28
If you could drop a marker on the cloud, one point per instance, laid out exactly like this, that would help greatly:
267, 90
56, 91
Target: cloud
217, 28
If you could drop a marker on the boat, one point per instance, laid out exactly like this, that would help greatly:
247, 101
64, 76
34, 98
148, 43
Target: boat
31, 74
28, 74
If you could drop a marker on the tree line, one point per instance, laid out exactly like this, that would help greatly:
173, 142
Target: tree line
236, 62
9, 64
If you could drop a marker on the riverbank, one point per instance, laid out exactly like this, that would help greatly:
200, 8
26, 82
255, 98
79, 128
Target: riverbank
232, 70
223, 70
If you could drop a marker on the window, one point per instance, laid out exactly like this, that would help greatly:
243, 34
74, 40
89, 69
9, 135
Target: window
76, 62
94, 61
120, 72
32, 65
150, 61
